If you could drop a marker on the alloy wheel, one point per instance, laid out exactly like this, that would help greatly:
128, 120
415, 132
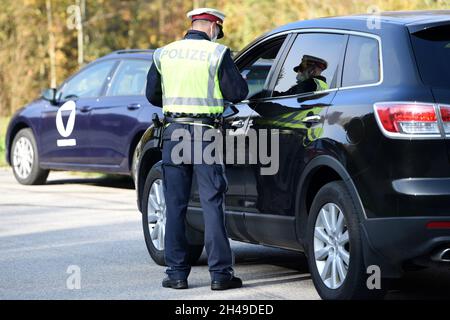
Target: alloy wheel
331, 246
23, 157
156, 213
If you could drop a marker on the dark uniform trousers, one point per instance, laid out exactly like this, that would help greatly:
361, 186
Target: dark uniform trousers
212, 185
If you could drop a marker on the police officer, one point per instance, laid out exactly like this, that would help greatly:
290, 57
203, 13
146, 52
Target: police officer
190, 79
309, 76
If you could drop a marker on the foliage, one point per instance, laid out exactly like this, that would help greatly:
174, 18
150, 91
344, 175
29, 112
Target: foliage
25, 46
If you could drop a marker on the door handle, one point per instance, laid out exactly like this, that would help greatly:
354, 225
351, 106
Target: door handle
85, 109
312, 119
134, 106
238, 124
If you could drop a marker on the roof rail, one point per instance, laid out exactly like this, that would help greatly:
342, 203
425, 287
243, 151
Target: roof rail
133, 51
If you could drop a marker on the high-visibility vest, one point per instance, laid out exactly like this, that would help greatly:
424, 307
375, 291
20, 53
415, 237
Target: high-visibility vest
189, 77
321, 85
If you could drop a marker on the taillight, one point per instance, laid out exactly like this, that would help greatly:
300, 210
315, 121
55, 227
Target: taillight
445, 114
438, 225
409, 120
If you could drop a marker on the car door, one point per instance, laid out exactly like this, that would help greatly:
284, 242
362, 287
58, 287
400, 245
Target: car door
114, 119
290, 123
65, 138
257, 66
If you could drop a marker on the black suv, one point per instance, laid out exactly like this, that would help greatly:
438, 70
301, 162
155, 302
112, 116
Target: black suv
364, 170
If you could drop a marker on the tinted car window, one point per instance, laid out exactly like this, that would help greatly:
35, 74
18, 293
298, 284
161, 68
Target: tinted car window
89, 82
130, 78
319, 51
257, 70
432, 49
362, 62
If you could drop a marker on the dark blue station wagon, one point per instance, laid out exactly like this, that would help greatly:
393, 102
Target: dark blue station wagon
92, 122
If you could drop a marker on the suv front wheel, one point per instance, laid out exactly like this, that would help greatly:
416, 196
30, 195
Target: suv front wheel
154, 219
334, 248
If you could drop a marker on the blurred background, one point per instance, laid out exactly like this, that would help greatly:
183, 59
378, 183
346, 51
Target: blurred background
44, 41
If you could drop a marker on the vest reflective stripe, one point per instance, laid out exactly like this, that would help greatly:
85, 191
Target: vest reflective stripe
189, 76
321, 85
216, 59
156, 61
193, 101
193, 109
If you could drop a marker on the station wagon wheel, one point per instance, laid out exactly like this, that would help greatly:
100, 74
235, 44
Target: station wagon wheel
334, 247
153, 206
25, 159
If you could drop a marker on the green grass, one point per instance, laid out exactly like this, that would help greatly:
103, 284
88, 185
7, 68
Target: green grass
3, 126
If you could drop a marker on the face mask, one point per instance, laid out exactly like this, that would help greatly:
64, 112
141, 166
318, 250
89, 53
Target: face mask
301, 77
216, 34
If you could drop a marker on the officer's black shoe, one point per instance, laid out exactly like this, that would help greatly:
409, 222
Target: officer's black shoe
174, 284
226, 284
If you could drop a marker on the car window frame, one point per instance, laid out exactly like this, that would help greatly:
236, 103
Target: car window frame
258, 47
116, 71
380, 62
327, 30
340, 69
87, 67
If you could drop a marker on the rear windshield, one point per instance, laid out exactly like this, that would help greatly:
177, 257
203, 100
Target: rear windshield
432, 50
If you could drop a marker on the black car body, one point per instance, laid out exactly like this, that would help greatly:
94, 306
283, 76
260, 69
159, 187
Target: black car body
382, 130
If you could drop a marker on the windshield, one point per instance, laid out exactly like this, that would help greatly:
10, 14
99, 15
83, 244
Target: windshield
432, 50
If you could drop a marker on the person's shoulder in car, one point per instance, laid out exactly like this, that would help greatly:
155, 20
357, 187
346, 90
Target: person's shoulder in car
305, 86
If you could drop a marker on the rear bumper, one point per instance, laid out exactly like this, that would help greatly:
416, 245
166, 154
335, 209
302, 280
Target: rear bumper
391, 243
422, 186
420, 197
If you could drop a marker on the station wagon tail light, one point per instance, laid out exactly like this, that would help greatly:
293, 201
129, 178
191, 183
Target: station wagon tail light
445, 114
408, 120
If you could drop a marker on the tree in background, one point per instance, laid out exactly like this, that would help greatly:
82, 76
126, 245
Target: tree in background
38, 47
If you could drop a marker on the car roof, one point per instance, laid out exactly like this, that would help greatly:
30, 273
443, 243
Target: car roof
358, 22
411, 17
130, 54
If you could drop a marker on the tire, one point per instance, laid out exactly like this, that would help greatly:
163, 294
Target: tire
342, 236
155, 247
25, 159
133, 165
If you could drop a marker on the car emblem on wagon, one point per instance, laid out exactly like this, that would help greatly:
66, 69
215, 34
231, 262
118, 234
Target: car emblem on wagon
66, 131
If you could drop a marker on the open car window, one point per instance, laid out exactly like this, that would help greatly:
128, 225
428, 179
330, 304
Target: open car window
313, 64
258, 64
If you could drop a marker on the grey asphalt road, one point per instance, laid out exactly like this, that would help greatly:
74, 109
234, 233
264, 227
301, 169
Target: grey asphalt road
91, 225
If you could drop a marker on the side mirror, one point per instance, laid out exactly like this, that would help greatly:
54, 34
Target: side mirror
49, 95
230, 111
245, 73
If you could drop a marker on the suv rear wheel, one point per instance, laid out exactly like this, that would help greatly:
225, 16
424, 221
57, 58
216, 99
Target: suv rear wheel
154, 219
25, 159
334, 247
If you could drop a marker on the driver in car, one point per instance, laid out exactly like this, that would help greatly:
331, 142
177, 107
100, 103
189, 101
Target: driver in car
309, 77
